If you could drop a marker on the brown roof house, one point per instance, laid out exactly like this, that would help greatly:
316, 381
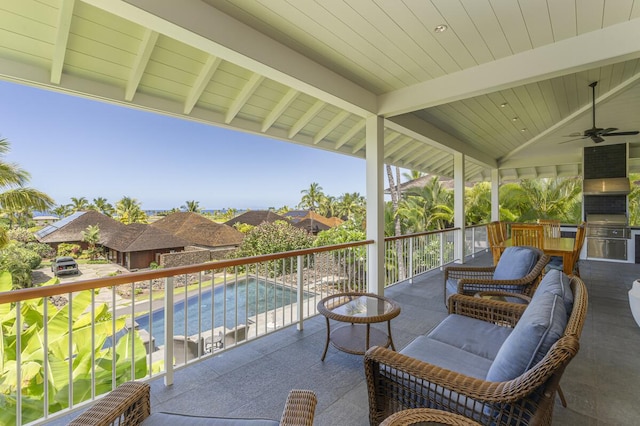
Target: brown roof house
256, 217
132, 246
200, 231
70, 229
314, 222
138, 244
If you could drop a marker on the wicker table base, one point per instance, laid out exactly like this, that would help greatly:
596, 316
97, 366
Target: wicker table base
426, 416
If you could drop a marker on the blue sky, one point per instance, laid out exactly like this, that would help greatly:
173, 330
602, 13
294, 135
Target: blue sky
74, 147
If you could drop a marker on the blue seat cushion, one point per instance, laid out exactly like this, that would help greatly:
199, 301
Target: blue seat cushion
515, 263
447, 356
481, 338
172, 419
541, 325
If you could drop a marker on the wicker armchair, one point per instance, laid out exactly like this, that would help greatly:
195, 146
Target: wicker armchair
474, 279
129, 404
398, 382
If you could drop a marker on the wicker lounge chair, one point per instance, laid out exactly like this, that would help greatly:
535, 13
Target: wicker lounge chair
503, 277
397, 381
129, 405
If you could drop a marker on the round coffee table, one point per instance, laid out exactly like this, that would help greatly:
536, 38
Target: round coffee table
358, 309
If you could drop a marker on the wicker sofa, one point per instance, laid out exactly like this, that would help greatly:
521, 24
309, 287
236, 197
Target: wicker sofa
492, 361
129, 405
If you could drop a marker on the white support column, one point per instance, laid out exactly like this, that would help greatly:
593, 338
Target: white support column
495, 192
458, 204
375, 203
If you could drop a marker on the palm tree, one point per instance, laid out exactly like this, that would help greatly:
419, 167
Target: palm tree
62, 210
543, 199
128, 211
413, 175
312, 198
351, 205
191, 206
394, 189
14, 195
478, 203
436, 203
103, 206
91, 236
79, 204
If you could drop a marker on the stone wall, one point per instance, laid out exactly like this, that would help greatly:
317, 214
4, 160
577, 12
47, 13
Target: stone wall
192, 255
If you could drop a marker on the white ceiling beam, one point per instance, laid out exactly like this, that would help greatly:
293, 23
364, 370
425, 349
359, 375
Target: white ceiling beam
204, 77
279, 109
331, 125
204, 27
351, 133
306, 117
396, 146
140, 63
404, 154
431, 135
358, 146
242, 97
62, 38
613, 44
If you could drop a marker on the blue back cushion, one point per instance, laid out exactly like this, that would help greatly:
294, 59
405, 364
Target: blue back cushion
515, 263
557, 282
541, 325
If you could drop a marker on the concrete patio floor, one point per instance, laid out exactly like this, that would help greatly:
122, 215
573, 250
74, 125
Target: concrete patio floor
252, 380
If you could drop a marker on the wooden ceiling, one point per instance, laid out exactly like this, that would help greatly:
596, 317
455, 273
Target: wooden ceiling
504, 84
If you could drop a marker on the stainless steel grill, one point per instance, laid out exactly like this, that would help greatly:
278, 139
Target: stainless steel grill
607, 236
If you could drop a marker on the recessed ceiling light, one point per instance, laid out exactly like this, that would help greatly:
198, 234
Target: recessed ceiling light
503, 105
440, 28
523, 130
514, 119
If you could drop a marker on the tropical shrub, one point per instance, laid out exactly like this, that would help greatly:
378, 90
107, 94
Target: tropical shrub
45, 251
352, 260
21, 234
92, 353
20, 261
68, 249
274, 237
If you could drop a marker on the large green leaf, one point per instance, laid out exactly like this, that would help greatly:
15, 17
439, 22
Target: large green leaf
6, 284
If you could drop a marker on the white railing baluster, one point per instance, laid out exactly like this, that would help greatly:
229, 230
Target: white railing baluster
45, 355
168, 330
300, 295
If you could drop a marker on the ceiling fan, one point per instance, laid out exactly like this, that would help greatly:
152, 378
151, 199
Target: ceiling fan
597, 134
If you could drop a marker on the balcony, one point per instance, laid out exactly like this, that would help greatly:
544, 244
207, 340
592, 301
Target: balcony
252, 377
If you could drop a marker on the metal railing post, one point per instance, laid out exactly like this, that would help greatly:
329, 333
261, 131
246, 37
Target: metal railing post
411, 274
168, 331
299, 298
441, 236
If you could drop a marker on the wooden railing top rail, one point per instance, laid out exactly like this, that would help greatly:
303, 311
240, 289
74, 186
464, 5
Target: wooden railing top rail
54, 290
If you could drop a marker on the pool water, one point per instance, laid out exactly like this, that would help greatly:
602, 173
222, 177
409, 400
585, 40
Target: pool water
253, 296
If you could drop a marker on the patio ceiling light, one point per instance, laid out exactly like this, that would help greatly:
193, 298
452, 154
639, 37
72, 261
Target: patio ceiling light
440, 28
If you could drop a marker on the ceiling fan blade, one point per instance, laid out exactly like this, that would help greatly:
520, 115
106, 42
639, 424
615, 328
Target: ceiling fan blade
575, 135
571, 140
609, 130
631, 133
597, 138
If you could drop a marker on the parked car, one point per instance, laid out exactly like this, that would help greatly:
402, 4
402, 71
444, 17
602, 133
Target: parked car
64, 265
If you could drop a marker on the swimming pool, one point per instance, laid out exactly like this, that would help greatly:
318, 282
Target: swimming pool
253, 296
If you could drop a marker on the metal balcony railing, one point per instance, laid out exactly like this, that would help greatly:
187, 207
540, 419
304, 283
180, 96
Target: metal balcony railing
77, 341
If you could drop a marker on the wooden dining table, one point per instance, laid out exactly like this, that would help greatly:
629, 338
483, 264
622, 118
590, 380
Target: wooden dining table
562, 247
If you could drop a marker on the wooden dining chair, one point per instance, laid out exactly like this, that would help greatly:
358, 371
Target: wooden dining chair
551, 227
495, 237
556, 262
526, 234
